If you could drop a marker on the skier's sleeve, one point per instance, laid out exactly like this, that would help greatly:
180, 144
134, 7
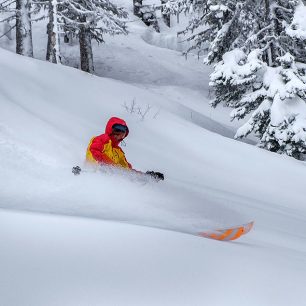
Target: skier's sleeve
124, 161
96, 149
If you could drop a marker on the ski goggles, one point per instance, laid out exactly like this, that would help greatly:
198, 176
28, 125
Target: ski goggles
119, 128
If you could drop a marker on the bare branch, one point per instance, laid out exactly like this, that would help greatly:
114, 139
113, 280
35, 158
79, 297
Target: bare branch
8, 31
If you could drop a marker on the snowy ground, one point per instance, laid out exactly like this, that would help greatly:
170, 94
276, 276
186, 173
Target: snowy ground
56, 246
52, 260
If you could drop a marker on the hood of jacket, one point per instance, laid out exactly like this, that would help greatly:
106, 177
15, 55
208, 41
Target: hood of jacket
111, 122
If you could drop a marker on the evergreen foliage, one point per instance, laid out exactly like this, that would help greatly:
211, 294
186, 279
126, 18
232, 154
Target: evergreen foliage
98, 16
259, 52
19, 11
85, 19
90, 19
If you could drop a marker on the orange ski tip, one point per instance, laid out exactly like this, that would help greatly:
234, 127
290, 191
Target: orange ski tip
228, 234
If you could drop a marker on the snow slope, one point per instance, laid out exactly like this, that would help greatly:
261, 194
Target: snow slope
150, 65
52, 260
49, 113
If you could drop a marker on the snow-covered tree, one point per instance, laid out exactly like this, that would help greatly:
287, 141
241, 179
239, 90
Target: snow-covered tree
165, 13
137, 4
234, 76
147, 13
258, 48
278, 106
20, 12
87, 19
148, 16
24, 44
175, 7
53, 45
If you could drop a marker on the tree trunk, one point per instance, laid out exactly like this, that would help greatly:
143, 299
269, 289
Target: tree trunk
137, 6
86, 50
24, 45
269, 53
166, 16
53, 52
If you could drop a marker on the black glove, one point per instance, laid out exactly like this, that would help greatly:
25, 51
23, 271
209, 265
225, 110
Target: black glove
76, 170
156, 175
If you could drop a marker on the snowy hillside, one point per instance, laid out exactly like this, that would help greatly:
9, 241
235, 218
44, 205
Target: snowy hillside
74, 257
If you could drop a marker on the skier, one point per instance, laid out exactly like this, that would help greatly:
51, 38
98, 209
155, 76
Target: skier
104, 149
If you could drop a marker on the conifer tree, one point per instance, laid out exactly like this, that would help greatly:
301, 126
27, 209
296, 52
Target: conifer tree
19, 11
24, 44
53, 45
258, 48
165, 12
137, 4
87, 19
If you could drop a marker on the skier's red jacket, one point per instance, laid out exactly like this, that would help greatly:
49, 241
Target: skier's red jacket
105, 149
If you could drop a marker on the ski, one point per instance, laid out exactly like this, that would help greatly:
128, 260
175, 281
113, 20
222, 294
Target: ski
227, 234
153, 175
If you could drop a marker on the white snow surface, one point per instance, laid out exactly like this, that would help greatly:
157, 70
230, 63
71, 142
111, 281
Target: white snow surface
112, 239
